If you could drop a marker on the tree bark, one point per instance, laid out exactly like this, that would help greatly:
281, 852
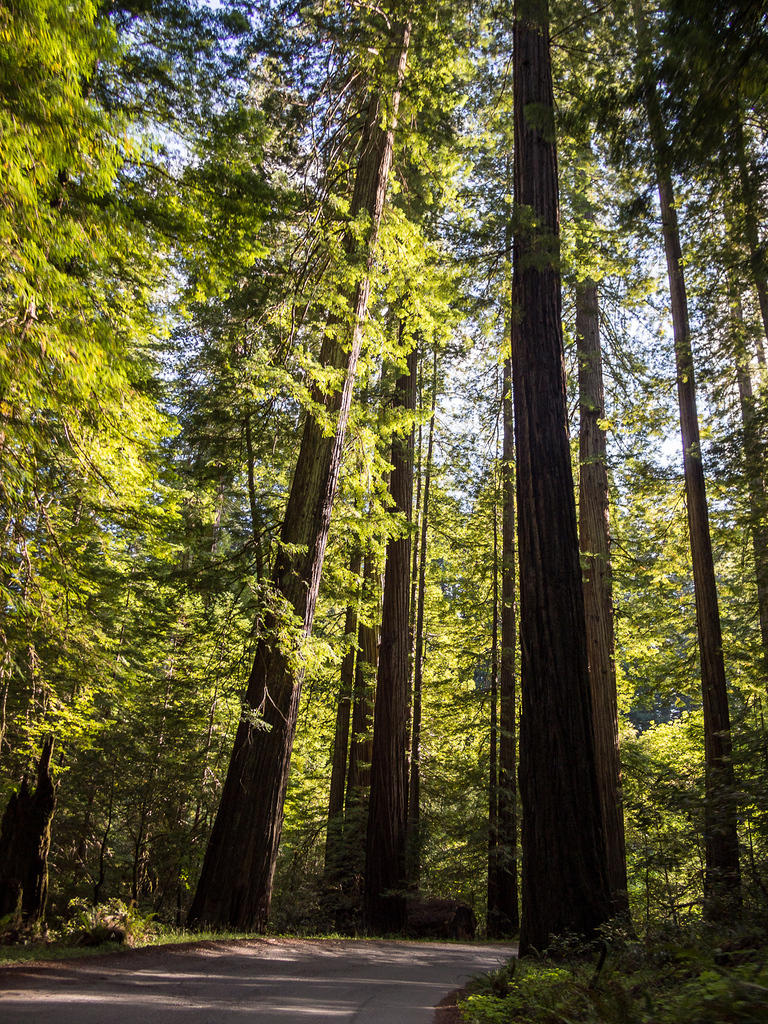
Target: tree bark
749, 204
335, 828
235, 885
492, 918
754, 461
257, 528
361, 744
25, 839
564, 879
507, 888
595, 543
386, 836
414, 787
722, 882
416, 519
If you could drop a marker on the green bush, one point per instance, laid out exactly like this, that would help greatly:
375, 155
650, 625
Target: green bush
682, 982
93, 924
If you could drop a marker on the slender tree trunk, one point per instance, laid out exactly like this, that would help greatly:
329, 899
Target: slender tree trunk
722, 884
235, 885
386, 836
351, 872
595, 542
751, 227
754, 459
417, 519
414, 790
565, 883
361, 744
492, 920
257, 527
507, 894
335, 826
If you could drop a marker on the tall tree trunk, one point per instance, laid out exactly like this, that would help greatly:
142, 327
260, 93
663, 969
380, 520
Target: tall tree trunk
722, 883
749, 203
386, 836
235, 886
414, 787
361, 744
257, 526
492, 919
348, 914
507, 894
565, 883
335, 826
754, 460
595, 542
417, 518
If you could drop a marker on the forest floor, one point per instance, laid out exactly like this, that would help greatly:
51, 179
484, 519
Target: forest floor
267, 980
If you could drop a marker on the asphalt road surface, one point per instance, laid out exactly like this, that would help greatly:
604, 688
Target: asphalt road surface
265, 981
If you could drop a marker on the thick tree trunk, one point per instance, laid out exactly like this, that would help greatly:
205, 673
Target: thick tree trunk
565, 883
507, 894
595, 542
25, 839
235, 885
414, 782
722, 883
335, 827
386, 836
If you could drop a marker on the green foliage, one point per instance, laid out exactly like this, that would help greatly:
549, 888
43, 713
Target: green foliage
114, 921
174, 205
659, 983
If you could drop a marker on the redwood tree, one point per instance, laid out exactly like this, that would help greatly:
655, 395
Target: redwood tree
414, 781
722, 882
507, 910
386, 837
235, 885
339, 757
595, 542
565, 877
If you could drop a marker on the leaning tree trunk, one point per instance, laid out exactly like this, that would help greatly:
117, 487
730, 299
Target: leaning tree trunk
565, 883
25, 839
508, 915
335, 826
235, 885
722, 882
414, 782
595, 542
386, 837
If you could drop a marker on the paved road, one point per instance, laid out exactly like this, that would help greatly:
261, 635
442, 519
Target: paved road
264, 981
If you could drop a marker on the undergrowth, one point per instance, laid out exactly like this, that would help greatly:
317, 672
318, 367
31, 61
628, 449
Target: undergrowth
695, 977
89, 930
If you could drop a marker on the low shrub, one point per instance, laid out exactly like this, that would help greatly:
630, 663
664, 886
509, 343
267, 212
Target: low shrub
114, 921
689, 980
